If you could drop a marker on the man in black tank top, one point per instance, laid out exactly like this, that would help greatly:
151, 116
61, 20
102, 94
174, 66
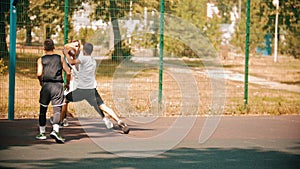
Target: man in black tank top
49, 73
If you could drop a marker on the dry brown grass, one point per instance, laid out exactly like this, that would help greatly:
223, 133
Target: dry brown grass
145, 83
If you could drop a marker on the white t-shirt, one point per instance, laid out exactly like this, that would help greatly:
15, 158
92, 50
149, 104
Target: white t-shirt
86, 74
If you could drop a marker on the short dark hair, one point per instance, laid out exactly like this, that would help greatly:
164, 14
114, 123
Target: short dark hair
48, 45
88, 48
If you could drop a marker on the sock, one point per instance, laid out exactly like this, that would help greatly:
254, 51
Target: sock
56, 127
120, 121
42, 129
105, 119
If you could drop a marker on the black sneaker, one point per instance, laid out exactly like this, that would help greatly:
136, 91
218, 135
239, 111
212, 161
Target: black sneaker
124, 127
55, 135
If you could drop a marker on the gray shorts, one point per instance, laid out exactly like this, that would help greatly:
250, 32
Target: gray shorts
52, 91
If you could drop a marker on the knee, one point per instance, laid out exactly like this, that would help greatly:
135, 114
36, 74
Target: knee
56, 117
103, 107
57, 109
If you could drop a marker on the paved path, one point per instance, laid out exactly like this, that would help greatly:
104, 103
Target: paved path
230, 75
238, 142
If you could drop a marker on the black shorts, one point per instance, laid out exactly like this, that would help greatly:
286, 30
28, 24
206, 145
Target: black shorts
52, 91
90, 95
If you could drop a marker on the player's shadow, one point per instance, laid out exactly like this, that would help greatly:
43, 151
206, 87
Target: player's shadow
22, 132
133, 128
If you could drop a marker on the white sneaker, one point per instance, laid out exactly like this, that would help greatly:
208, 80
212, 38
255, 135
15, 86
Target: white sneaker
108, 123
65, 122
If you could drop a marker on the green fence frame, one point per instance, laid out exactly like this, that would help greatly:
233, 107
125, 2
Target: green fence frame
12, 59
12, 51
161, 49
247, 54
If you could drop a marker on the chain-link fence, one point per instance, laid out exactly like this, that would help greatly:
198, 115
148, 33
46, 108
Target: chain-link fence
188, 61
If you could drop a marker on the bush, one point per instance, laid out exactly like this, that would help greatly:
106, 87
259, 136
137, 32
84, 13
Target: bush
3, 67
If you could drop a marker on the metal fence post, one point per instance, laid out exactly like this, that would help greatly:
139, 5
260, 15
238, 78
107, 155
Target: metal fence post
66, 29
66, 23
161, 49
247, 54
12, 59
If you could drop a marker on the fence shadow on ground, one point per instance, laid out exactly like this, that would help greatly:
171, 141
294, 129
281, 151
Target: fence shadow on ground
181, 158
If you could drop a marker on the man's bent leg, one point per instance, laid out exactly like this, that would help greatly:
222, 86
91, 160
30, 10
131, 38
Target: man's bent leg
110, 112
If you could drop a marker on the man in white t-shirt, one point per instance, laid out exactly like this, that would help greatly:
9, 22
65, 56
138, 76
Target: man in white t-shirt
86, 86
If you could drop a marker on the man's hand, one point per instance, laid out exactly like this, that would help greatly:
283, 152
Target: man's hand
40, 80
65, 51
67, 86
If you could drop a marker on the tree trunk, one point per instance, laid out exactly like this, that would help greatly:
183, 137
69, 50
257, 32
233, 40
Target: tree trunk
28, 35
28, 38
4, 8
47, 32
118, 51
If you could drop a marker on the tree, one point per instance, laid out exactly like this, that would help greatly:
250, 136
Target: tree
289, 28
23, 20
47, 14
225, 7
4, 8
110, 11
194, 12
84, 33
263, 23
258, 20
113, 10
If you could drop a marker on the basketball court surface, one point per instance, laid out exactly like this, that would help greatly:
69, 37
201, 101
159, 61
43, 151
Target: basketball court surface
238, 142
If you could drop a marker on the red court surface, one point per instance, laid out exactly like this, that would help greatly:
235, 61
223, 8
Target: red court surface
237, 142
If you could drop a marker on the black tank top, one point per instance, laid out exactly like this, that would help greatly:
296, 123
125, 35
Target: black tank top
52, 68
